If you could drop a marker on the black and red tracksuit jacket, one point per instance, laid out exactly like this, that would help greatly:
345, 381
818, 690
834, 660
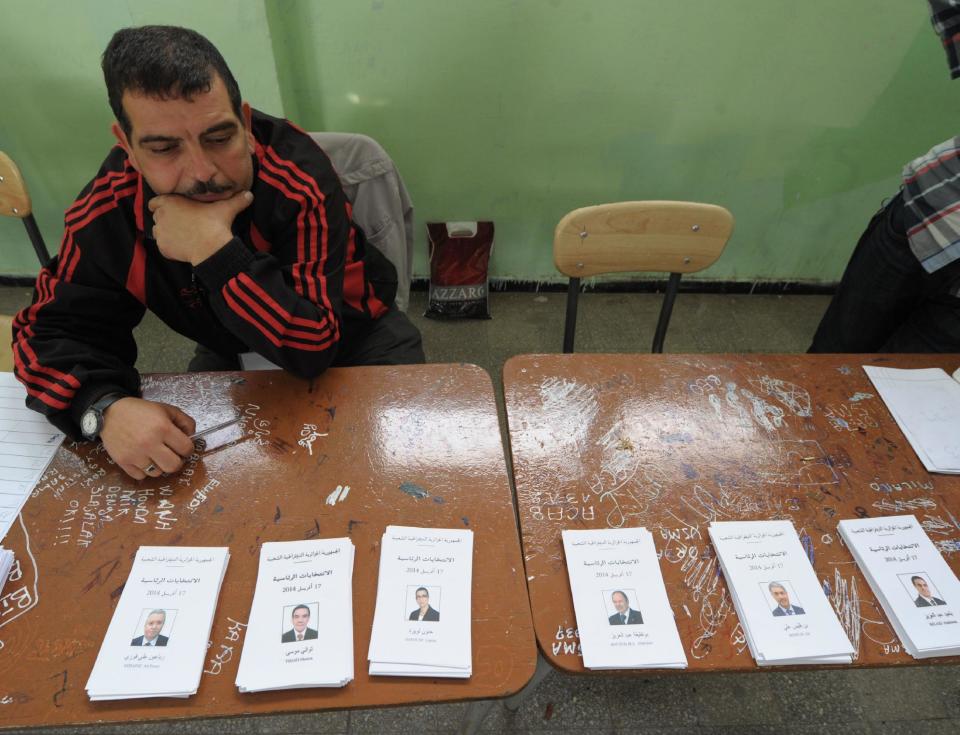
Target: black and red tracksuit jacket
296, 280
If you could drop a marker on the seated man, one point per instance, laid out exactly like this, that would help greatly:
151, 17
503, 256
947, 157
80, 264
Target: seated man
229, 224
900, 291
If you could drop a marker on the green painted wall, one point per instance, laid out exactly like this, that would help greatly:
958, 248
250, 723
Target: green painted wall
796, 115
55, 121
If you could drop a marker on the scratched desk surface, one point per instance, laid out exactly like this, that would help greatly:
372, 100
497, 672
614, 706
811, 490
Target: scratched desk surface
417, 445
674, 442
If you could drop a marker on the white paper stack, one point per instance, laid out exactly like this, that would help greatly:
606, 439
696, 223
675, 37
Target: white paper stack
918, 591
6, 564
27, 445
786, 617
422, 622
623, 614
157, 640
300, 632
926, 406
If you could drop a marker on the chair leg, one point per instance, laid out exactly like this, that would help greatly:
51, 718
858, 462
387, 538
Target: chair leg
570, 325
475, 714
36, 238
665, 311
543, 668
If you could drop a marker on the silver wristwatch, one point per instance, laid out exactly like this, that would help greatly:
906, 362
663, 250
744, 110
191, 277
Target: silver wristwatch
91, 422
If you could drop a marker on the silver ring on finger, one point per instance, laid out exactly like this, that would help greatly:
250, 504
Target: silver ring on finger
149, 469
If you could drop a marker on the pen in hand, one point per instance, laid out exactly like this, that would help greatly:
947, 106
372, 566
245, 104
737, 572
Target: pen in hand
215, 427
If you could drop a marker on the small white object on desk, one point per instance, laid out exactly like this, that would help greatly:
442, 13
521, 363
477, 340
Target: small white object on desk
422, 619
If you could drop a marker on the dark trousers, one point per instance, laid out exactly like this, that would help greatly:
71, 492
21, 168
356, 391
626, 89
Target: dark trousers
390, 340
886, 301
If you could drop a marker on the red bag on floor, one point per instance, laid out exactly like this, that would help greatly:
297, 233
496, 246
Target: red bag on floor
459, 261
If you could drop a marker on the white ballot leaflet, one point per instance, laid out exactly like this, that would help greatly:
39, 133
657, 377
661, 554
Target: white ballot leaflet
422, 619
157, 639
786, 616
918, 591
300, 632
623, 614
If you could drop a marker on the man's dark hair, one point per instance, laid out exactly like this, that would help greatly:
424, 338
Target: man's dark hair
424, 590
915, 577
298, 607
166, 62
621, 592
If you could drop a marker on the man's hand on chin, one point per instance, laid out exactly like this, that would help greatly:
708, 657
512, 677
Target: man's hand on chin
191, 231
142, 435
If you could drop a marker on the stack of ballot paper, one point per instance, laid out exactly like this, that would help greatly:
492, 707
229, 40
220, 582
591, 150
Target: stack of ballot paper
623, 613
27, 445
421, 624
6, 564
785, 614
926, 406
916, 588
157, 640
300, 632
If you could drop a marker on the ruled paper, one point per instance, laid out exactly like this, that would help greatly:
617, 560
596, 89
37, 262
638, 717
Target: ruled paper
27, 444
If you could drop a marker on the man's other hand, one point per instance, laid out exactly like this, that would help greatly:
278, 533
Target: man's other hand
141, 435
192, 231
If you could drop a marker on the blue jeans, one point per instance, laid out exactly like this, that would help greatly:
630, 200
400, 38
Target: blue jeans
886, 301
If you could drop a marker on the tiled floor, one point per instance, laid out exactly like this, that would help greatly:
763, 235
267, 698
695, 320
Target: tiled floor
914, 700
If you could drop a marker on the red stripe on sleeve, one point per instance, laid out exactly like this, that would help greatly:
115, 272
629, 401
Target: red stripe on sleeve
136, 276
310, 187
302, 284
320, 326
277, 342
259, 241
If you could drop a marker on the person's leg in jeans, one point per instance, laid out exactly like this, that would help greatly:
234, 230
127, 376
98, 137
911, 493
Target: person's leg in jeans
934, 326
204, 359
881, 286
390, 340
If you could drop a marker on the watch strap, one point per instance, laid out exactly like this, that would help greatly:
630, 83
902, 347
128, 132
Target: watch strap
98, 407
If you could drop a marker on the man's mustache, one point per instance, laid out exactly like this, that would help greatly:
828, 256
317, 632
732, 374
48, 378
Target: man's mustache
208, 187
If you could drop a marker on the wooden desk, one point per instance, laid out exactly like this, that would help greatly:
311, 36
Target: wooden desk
672, 442
418, 445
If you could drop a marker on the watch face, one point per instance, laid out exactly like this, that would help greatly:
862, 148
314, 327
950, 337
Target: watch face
89, 423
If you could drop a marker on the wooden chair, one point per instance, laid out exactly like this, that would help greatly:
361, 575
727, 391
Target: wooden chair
675, 237
6, 346
15, 202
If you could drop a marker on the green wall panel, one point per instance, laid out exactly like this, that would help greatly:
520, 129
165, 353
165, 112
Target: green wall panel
796, 116
55, 121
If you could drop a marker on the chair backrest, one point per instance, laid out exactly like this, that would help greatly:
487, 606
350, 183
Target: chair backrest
6, 343
15, 202
659, 236
14, 197
381, 204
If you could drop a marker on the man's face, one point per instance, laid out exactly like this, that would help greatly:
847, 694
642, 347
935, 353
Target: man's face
423, 599
620, 602
301, 616
153, 626
922, 588
196, 148
781, 596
